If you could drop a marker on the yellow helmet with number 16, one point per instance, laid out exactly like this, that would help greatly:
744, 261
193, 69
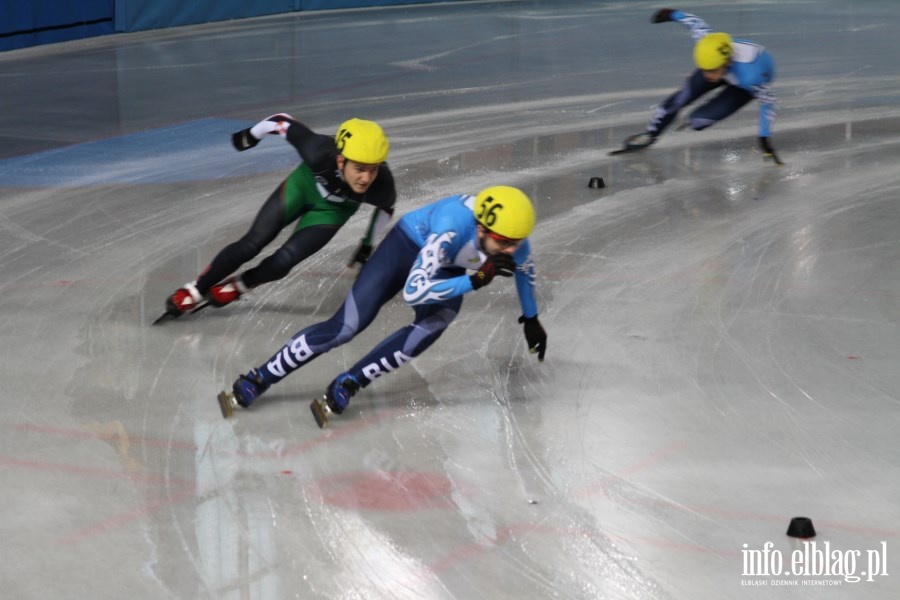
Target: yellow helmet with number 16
362, 141
712, 51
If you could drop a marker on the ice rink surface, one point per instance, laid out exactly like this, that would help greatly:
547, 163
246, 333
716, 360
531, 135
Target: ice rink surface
723, 333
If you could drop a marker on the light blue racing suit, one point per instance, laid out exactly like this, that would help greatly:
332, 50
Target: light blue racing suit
751, 71
426, 255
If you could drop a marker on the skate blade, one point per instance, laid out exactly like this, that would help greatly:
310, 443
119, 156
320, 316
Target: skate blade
629, 149
631, 146
166, 316
320, 412
199, 307
169, 316
226, 404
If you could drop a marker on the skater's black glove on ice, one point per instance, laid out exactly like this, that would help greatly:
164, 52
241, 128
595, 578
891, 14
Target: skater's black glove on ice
662, 15
535, 336
362, 254
497, 264
768, 151
243, 140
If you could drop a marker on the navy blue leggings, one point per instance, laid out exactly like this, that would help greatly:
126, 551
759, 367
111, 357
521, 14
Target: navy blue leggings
380, 279
724, 104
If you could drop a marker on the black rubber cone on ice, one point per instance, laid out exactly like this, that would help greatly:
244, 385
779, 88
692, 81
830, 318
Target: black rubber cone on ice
801, 527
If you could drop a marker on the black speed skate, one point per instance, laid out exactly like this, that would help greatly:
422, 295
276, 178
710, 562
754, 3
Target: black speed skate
636, 142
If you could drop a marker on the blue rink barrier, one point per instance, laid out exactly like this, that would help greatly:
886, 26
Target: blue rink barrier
26, 23
137, 15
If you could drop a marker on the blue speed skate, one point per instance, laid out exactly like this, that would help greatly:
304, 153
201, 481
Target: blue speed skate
336, 398
245, 390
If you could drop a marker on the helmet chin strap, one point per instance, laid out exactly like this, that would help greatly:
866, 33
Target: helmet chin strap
343, 179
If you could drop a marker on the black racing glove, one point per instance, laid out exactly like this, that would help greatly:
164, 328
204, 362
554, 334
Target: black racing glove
535, 336
361, 255
768, 151
243, 140
662, 15
501, 264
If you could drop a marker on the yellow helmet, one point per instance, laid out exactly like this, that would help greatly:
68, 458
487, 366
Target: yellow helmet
506, 211
712, 51
362, 141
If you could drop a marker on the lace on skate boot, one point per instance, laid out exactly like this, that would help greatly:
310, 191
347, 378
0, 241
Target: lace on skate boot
184, 299
248, 388
226, 292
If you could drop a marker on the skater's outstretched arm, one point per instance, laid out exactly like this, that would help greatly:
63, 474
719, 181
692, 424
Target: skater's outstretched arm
312, 147
526, 278
697, 26
250, 137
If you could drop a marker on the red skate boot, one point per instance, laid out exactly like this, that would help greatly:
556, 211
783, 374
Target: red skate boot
226, 292
185, 299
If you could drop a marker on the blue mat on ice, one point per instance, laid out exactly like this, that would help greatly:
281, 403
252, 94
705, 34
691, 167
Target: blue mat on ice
194, 151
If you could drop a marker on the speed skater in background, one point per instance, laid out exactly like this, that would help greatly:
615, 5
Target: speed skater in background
744, 70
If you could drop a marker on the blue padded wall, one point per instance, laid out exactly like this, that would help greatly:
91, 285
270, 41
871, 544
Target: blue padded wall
136, 15
26, 23
31, 22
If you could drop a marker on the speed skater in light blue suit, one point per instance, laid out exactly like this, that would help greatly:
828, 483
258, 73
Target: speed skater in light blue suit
743, 68
427, 256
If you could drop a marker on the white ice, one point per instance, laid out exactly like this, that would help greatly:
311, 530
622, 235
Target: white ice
723, 334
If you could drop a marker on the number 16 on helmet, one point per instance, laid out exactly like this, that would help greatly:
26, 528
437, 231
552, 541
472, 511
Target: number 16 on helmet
362, 141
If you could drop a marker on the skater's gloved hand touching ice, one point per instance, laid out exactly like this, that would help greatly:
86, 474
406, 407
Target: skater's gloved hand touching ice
535, 336
501, 264
361, 255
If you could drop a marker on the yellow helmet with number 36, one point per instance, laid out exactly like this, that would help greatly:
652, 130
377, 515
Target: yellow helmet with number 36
712, 51
506, 211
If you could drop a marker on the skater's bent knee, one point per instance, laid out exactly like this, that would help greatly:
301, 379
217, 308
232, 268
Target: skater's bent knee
248, 247
346, 333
